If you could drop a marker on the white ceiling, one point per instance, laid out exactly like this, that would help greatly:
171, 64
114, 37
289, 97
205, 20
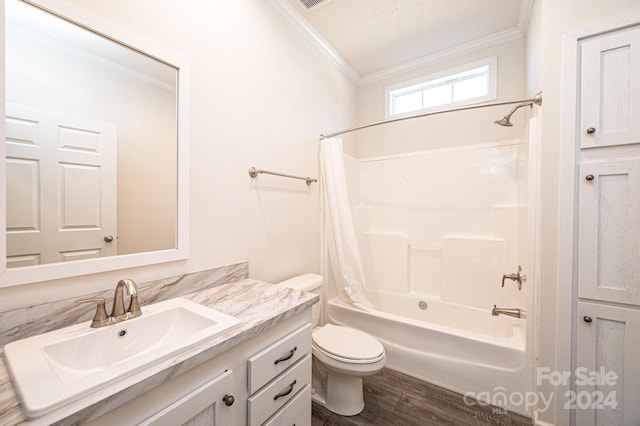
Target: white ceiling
377, 35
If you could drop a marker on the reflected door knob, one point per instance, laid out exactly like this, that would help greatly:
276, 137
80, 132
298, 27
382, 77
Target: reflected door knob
590, 177
591, 130
587, 319
108, 238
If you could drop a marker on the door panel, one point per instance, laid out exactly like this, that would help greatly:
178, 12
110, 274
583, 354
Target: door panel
61, 187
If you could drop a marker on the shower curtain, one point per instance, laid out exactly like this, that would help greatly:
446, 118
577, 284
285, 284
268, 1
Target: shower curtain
342, 245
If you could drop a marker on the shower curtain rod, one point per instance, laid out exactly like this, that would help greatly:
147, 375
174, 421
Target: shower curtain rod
537, 99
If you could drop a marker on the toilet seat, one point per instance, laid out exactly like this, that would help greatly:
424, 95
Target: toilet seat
347, 345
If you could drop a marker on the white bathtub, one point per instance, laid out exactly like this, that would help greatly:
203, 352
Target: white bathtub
459, 348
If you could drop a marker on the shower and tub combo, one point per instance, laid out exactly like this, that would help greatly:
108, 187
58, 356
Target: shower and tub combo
421, 249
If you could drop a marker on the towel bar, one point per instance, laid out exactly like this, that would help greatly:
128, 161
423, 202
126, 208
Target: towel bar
253, 172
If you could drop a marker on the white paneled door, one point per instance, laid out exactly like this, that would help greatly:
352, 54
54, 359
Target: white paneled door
610, 89
61, 187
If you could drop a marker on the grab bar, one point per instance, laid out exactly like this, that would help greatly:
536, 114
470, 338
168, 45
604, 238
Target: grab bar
253, 172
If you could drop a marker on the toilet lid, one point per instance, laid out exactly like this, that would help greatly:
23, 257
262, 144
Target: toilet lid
347, 343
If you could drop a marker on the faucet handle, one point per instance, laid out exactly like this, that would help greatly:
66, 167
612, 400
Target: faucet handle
100, 319
518, 277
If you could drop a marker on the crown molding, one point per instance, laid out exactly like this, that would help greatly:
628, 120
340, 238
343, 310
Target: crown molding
323, 45
294, 16
461, 49
526, 6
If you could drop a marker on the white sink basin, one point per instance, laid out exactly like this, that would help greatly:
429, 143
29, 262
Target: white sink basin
55, 368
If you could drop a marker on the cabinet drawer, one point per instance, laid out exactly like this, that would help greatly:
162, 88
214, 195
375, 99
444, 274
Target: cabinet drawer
273, 396
279, 356
295, 412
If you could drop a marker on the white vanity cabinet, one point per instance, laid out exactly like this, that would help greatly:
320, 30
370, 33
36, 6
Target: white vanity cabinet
237, 387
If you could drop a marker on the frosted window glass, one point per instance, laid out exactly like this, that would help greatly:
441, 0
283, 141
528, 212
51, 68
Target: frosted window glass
436, 96
407, 103
471, 88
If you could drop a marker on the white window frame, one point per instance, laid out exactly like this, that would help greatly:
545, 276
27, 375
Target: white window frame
492, 94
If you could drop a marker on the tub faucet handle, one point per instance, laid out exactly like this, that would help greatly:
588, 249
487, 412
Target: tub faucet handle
519, 277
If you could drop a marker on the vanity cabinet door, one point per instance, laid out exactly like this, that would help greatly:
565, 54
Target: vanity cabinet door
207, 403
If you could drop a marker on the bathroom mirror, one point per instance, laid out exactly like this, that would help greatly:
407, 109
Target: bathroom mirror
95, 153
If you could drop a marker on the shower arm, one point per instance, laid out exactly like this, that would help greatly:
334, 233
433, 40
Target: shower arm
517, 107
537, 100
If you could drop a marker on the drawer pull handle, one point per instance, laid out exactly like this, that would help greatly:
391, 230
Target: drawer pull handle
285, 393
286, 357
587, 319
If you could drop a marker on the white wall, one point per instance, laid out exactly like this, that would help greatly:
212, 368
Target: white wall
260, 96
447, 130
557, 17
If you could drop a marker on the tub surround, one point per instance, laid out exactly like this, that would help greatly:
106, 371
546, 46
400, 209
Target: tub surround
257, 304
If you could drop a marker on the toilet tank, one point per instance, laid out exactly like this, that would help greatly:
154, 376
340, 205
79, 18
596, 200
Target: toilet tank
311, 283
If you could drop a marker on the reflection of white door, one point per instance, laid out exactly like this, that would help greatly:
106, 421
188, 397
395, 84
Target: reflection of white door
61, 187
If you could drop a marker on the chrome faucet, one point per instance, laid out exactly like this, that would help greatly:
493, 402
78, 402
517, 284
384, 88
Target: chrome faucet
117, 310
118, 313
510, 312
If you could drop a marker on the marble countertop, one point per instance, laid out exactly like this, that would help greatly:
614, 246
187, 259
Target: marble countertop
257, 304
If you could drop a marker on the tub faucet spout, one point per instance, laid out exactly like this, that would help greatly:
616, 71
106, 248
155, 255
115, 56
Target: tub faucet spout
510, 312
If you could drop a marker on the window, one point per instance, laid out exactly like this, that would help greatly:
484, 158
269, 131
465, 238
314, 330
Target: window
465, 85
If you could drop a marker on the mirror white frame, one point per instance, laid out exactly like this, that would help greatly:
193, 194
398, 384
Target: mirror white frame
30, 274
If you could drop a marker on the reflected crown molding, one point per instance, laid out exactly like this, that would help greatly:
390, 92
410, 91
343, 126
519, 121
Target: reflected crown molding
73, 52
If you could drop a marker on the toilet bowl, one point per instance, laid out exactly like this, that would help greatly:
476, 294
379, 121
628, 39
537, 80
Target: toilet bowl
342, 357
348, 355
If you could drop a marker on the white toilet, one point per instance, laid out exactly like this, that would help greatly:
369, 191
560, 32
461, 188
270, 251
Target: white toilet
341, 356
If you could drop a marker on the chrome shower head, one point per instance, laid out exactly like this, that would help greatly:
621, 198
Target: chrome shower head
506, 120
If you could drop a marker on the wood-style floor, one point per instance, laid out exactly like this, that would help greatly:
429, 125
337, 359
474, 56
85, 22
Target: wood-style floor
395, 399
